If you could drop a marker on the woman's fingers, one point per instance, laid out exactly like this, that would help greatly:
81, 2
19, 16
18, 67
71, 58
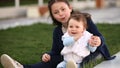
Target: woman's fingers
95, 41
46, 57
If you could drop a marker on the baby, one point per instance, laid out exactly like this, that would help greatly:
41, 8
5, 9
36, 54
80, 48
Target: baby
76, 42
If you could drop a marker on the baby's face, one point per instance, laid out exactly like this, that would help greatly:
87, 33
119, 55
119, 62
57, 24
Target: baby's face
75, 28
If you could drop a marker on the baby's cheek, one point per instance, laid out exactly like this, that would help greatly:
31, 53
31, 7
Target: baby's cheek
70, 33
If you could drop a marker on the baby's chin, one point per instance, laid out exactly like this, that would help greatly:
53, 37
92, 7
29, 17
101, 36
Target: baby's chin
72, 34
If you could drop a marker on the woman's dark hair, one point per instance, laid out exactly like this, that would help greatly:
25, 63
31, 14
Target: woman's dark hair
55, 22
50, 3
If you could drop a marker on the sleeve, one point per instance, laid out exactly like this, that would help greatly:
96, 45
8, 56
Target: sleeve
57, 44
67, 40
92, 49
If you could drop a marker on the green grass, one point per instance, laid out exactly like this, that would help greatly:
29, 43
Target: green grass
111, 33
26, 44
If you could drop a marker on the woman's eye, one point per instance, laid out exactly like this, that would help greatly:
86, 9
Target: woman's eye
55, 12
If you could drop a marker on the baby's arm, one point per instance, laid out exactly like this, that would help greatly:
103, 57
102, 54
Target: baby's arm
91, 48
68, 41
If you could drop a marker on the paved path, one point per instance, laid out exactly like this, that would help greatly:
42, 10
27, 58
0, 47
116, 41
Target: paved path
11, 23
111, 63
110, 15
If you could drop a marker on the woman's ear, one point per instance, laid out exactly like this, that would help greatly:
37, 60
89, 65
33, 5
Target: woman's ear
71, 8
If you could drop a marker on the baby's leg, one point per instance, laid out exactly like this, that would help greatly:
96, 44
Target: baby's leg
62, 65
72, 64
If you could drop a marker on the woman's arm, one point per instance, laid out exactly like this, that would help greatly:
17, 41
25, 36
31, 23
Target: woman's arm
57, 44
93, 29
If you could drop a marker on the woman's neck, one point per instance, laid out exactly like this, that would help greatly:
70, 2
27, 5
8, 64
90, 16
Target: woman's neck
64, 28
64, 25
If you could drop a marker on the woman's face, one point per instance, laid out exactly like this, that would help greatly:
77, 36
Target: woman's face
61, 12
75, 28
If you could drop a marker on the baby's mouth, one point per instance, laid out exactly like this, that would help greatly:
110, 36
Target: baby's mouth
73, 32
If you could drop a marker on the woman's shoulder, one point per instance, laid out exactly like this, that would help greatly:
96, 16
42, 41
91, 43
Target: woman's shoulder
57, 28
87, 15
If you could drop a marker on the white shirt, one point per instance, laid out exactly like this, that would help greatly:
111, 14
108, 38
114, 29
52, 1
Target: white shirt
78, 50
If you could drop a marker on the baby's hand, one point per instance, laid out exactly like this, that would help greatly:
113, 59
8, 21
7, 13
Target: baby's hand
68, 41
46, 57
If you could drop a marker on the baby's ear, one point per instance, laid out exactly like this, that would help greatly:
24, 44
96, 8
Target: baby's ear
84, 29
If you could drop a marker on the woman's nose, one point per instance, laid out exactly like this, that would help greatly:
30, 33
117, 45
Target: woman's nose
61, 13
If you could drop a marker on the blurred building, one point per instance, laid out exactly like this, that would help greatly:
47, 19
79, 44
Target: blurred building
81, 4
40, 9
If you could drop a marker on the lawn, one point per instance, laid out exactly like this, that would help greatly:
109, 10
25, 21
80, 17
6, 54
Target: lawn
26, 44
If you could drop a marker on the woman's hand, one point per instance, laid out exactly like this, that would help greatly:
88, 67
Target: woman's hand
95, 41
46, 57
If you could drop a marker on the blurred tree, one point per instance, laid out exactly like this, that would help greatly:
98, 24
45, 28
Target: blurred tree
4, 3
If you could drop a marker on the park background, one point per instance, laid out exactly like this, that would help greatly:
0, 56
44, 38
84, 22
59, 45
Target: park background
26, 43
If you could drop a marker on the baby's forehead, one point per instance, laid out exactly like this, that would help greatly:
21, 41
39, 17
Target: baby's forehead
75, 21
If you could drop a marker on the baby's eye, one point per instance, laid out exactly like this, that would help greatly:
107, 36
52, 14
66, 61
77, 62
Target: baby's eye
70, 26
77, 27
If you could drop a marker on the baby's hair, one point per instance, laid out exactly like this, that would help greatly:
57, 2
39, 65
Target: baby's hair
78, 16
